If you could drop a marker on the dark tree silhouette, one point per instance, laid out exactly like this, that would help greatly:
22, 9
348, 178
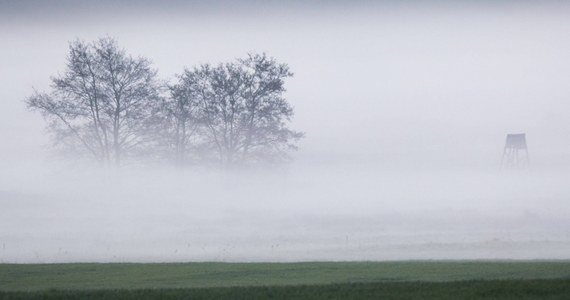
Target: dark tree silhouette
109, 106
101, 105
241, 108
178, 124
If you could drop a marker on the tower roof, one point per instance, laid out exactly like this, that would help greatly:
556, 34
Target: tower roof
517, 141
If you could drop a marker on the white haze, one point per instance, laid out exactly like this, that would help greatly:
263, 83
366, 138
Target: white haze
405, 107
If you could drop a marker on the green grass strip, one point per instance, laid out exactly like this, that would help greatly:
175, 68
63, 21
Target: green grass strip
490, 289
38, 277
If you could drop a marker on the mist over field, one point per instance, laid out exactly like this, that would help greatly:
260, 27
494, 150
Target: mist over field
405, 110
299, 214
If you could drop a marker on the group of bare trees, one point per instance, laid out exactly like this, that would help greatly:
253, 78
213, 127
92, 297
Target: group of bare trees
112, 107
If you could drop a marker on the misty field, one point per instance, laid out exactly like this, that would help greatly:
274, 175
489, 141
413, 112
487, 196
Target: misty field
310, 280
347, 149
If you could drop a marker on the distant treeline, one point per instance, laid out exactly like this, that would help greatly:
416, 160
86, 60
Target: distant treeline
112, 107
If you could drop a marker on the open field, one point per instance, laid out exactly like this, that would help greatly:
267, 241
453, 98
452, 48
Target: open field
347, 214
498, 290
14, 277
313, 280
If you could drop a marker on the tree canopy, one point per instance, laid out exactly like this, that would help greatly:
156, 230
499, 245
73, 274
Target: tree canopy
111, 106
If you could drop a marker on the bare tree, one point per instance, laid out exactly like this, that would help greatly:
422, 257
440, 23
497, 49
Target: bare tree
179, 130
107, 105
267, 136
242, 109
100, 106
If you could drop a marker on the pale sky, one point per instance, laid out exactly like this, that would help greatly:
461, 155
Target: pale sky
424, 84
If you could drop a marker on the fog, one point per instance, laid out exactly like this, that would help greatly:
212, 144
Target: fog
405, 109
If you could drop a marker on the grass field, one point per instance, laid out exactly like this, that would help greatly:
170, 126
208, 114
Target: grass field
316, 280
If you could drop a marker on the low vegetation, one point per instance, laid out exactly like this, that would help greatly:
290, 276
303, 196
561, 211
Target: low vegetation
501, 289
315, 280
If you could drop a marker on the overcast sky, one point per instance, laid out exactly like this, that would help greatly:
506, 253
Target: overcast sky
424, 84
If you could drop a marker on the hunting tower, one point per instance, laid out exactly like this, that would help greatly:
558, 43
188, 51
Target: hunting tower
515, 155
